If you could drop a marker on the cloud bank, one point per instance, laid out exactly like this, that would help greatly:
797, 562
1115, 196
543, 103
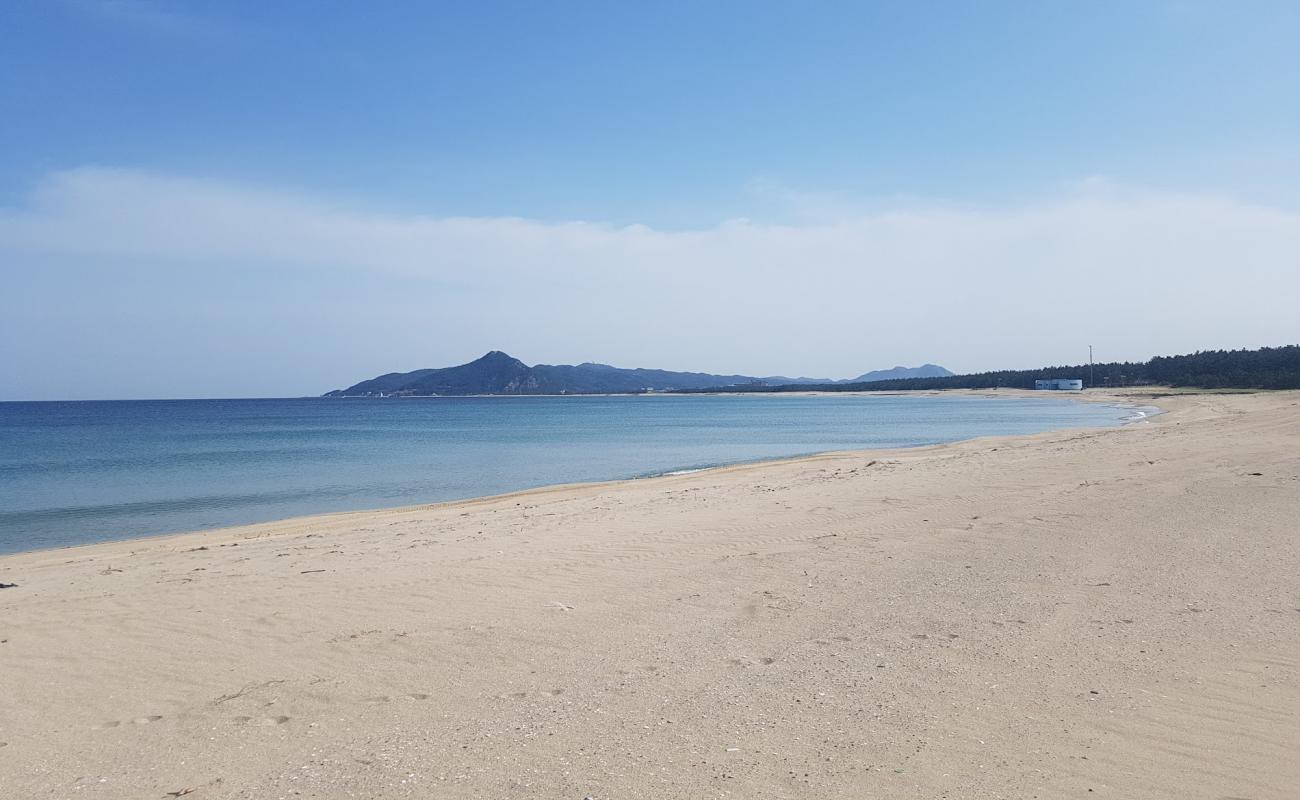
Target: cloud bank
275, 289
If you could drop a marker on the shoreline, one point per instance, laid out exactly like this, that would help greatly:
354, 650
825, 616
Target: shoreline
1099, 398
1074, 613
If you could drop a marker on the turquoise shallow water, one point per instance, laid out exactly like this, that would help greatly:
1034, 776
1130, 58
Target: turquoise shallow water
78, 472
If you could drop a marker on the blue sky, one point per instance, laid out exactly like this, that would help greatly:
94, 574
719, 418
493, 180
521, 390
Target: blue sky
938, 151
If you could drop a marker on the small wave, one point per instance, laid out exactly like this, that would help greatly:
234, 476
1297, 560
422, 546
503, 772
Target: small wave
1138, 414
142, 508
1134, 414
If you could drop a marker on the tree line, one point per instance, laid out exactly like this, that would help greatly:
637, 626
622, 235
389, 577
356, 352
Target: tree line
1265, 368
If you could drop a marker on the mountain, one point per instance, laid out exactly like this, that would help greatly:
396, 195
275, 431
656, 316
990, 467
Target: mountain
499, 373
923, 371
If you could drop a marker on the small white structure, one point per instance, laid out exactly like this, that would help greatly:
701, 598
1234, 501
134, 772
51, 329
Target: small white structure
1060, 384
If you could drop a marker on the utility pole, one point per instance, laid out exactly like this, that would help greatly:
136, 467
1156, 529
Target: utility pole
1091, 383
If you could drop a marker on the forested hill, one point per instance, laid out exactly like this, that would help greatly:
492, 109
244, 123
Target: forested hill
1266, 368
499, 373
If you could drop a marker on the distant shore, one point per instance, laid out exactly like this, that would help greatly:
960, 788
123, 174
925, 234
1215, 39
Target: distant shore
1082, 613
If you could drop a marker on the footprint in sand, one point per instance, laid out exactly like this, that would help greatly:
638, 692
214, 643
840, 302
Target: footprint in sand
749, 662
137, 721
263, 721
383, 698
522, 695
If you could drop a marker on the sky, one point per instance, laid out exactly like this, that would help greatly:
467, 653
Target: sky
245, 199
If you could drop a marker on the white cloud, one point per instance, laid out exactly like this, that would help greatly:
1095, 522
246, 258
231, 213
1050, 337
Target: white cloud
1135, 271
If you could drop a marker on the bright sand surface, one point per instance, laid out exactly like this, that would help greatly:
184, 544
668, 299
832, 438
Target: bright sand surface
1081, 614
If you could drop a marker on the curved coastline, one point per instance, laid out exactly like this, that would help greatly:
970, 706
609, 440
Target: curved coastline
1122, 401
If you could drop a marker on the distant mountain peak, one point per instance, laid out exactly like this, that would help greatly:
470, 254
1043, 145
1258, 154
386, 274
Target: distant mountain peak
923, 371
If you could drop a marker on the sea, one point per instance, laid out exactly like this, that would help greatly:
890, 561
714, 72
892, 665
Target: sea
79, 472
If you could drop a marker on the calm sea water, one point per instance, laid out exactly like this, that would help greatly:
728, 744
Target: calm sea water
79, 472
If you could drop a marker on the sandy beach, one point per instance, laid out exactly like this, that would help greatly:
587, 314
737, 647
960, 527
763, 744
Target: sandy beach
1080, 614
